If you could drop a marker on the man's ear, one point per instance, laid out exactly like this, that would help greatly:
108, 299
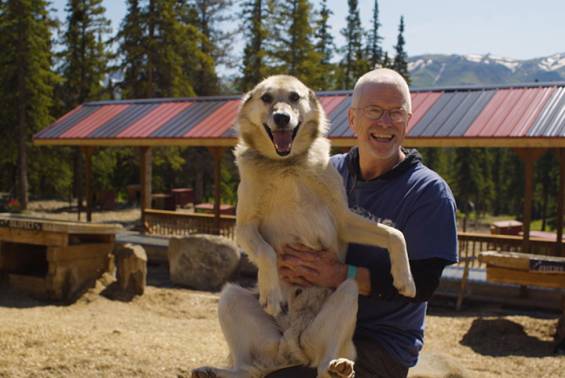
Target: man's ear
351, 118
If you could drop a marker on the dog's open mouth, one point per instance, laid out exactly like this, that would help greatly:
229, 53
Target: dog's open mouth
282, 139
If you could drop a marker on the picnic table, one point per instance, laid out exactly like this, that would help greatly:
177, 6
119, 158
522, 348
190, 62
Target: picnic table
53, 259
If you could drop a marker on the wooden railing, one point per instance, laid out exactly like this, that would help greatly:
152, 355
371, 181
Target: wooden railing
172, 223
471, 244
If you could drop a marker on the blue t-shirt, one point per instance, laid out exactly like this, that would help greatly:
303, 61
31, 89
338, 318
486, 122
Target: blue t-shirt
418, 202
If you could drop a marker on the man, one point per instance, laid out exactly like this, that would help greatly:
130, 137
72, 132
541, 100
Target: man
390, 185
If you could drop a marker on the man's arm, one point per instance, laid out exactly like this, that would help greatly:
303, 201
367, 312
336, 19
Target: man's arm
302, 266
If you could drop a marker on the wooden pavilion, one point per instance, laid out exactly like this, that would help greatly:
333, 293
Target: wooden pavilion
526, 118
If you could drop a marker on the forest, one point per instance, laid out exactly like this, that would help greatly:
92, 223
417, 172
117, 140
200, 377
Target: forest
179, 48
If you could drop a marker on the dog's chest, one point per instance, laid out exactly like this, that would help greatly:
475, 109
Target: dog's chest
293, 212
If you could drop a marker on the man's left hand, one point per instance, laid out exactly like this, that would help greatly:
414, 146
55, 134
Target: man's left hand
302, 266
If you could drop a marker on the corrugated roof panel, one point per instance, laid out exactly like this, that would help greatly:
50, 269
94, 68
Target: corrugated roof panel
551, 120
217, 122
187, 119
153, 120
66, 122
527, 110
339, 122
421, 102
464, 111
329, 103
113, 127
94, 120
497, 125
434, 116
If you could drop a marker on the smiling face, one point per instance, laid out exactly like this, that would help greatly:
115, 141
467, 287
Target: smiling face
379, 140
280, 117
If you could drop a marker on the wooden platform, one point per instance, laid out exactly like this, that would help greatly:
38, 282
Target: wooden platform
524, 269
54, 259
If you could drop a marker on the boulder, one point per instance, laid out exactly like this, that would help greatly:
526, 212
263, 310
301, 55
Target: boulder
202, 262
131, 263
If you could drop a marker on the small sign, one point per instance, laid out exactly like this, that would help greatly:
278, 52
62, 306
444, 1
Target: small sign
21, 224
547, 266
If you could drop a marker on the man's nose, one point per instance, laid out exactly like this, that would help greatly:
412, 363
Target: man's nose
385, 119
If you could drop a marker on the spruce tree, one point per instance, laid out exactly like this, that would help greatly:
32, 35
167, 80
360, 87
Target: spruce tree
325, 48
132, 51
26, 77
400, 63
215, 43
374, 49
253, 67
354, 63
85, 56
84, 63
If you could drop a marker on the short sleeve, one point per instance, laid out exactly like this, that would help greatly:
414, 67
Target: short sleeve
431, 230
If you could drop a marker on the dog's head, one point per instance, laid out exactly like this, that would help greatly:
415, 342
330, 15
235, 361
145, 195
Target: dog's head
280, 117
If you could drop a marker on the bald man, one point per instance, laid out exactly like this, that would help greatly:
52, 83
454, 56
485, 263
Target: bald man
388, 184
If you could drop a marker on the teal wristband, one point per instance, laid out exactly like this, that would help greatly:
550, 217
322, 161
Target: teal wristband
351, 272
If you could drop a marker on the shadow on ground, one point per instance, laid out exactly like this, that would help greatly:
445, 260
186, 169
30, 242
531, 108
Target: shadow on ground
503, 337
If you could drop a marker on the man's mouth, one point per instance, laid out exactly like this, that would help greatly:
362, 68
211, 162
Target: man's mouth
381, 137
282, 139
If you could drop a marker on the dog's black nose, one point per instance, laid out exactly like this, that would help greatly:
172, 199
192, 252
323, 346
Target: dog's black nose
281, 119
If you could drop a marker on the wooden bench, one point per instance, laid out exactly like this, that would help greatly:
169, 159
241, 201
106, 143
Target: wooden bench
53, 259
528, 270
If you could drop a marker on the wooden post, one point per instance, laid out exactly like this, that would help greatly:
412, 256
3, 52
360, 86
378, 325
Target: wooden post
88, 151
559, 242
528, 157
145, 173
217, 153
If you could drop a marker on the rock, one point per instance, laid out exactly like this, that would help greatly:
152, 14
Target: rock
131, 263
202, 262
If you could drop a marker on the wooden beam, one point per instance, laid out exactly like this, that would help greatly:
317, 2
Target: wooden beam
504, 142
528, 157
88, 152
145, 174
217, 154
559, 242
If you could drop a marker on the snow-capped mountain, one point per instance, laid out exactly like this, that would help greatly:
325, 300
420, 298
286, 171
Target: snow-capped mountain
435, 70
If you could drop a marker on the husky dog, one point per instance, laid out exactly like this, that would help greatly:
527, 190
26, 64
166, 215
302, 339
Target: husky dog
290, 193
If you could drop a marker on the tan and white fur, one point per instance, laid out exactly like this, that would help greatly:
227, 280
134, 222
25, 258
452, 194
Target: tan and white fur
290, 193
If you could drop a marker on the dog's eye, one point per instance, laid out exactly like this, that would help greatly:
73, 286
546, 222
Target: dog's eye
267, 98
294, 97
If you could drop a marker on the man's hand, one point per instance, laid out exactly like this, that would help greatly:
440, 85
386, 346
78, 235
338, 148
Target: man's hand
302, 266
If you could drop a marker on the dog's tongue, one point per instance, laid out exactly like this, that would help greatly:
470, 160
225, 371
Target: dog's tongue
283, 140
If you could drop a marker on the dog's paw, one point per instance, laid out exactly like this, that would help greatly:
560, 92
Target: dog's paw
405, 286
273, 302
341, 368
204, 372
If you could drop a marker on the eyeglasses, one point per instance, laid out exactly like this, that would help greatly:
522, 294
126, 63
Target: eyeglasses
375, 113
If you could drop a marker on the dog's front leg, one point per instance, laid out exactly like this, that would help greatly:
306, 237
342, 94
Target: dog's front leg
357, 229
265, 257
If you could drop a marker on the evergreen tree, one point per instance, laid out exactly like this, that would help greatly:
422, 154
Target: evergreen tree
84, 64
253, 68
400, 63
294, 49
215, 43
325, 48
85, 57
468, 176
26, 78
132, 51
354, 63
374, 49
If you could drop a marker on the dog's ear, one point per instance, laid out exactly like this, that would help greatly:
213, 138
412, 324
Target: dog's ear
314, 103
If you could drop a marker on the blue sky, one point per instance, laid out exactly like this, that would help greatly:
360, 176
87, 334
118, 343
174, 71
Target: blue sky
519, 29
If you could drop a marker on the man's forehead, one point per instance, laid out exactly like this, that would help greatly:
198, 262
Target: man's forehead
385, 93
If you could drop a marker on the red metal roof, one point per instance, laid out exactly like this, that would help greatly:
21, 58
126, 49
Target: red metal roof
461, 116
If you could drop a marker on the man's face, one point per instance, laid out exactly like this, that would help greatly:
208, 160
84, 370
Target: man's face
379, 139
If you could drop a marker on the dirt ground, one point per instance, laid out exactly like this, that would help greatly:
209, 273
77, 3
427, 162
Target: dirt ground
169, 330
